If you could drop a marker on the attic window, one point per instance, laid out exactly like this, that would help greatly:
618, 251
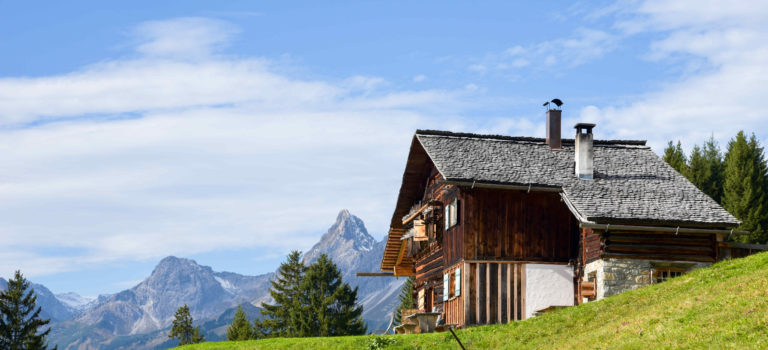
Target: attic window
452, 214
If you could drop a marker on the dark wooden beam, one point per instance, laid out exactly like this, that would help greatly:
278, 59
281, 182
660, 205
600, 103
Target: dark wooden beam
375, 274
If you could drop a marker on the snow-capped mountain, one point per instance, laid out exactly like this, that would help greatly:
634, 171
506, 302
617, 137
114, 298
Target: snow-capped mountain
51, 307
349, 245
138, 318
75, 301
151, 304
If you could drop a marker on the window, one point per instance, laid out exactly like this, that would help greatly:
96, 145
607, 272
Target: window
661, 274
457, 282
452, 284
452, 214
446, 286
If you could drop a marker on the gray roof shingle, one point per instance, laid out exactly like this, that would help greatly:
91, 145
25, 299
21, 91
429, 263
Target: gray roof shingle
632, 184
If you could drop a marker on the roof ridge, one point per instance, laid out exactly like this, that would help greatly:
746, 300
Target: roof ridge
428, 132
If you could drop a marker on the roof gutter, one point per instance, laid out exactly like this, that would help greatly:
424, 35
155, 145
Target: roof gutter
529, 187
573, 210
675, 230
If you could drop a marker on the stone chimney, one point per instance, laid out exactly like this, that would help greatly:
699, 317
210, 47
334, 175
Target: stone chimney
584, 152
553, 129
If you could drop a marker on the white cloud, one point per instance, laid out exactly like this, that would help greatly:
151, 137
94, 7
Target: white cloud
720, 97
419, 78
183, 38
151, 84
139, 158
584, 46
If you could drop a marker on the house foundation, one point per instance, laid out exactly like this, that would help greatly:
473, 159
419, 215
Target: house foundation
613, 276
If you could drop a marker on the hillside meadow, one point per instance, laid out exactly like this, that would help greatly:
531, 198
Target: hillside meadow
723, 307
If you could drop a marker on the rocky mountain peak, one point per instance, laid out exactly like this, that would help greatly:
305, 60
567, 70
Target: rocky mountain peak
344, 241
350, 227
140, 316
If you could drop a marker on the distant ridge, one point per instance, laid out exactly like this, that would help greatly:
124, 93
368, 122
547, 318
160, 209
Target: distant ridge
139, 317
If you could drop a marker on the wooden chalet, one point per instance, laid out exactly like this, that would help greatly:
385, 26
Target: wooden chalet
497, 228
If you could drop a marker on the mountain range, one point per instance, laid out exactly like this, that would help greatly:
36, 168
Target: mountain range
140, 317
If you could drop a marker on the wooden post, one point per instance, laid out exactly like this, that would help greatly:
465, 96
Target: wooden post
522, 291
498, 293
477, 292
510, 292
487, 293
465, 294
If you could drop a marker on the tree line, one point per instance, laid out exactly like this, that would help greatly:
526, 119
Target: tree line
736, 179
309, 301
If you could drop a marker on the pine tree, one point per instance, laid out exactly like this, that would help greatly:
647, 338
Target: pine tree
19, 318
329, 305
745, 186
240, 329
282, 318
406, 300
182, 328
197, 337
713, 158
675, 157
698, 169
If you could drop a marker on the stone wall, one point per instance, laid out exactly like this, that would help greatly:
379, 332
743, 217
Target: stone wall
624, 274
596, 267
614, 276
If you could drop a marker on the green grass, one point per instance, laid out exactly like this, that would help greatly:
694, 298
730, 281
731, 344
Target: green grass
723, 306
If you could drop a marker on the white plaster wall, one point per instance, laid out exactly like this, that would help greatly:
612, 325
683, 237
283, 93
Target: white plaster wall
547, 285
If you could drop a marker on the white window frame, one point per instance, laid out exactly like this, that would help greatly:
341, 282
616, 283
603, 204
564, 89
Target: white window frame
452, 214
457, 282
446, 289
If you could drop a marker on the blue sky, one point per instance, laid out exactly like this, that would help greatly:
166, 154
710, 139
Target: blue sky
232, 132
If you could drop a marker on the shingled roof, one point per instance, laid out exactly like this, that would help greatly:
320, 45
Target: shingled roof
631, 185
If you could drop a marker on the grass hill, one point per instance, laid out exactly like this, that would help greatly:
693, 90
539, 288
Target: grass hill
723, 306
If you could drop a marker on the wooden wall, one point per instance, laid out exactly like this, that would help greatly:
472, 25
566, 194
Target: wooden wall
494, 292
453, 238
430, 267
430, 261
591, 245
660, 246
515, 225
454, 308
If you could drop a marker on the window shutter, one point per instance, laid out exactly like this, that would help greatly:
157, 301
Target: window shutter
445, 287
457, 283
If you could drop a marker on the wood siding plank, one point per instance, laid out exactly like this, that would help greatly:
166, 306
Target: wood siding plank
519, 226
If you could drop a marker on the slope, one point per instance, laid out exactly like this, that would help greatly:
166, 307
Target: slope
723, 306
